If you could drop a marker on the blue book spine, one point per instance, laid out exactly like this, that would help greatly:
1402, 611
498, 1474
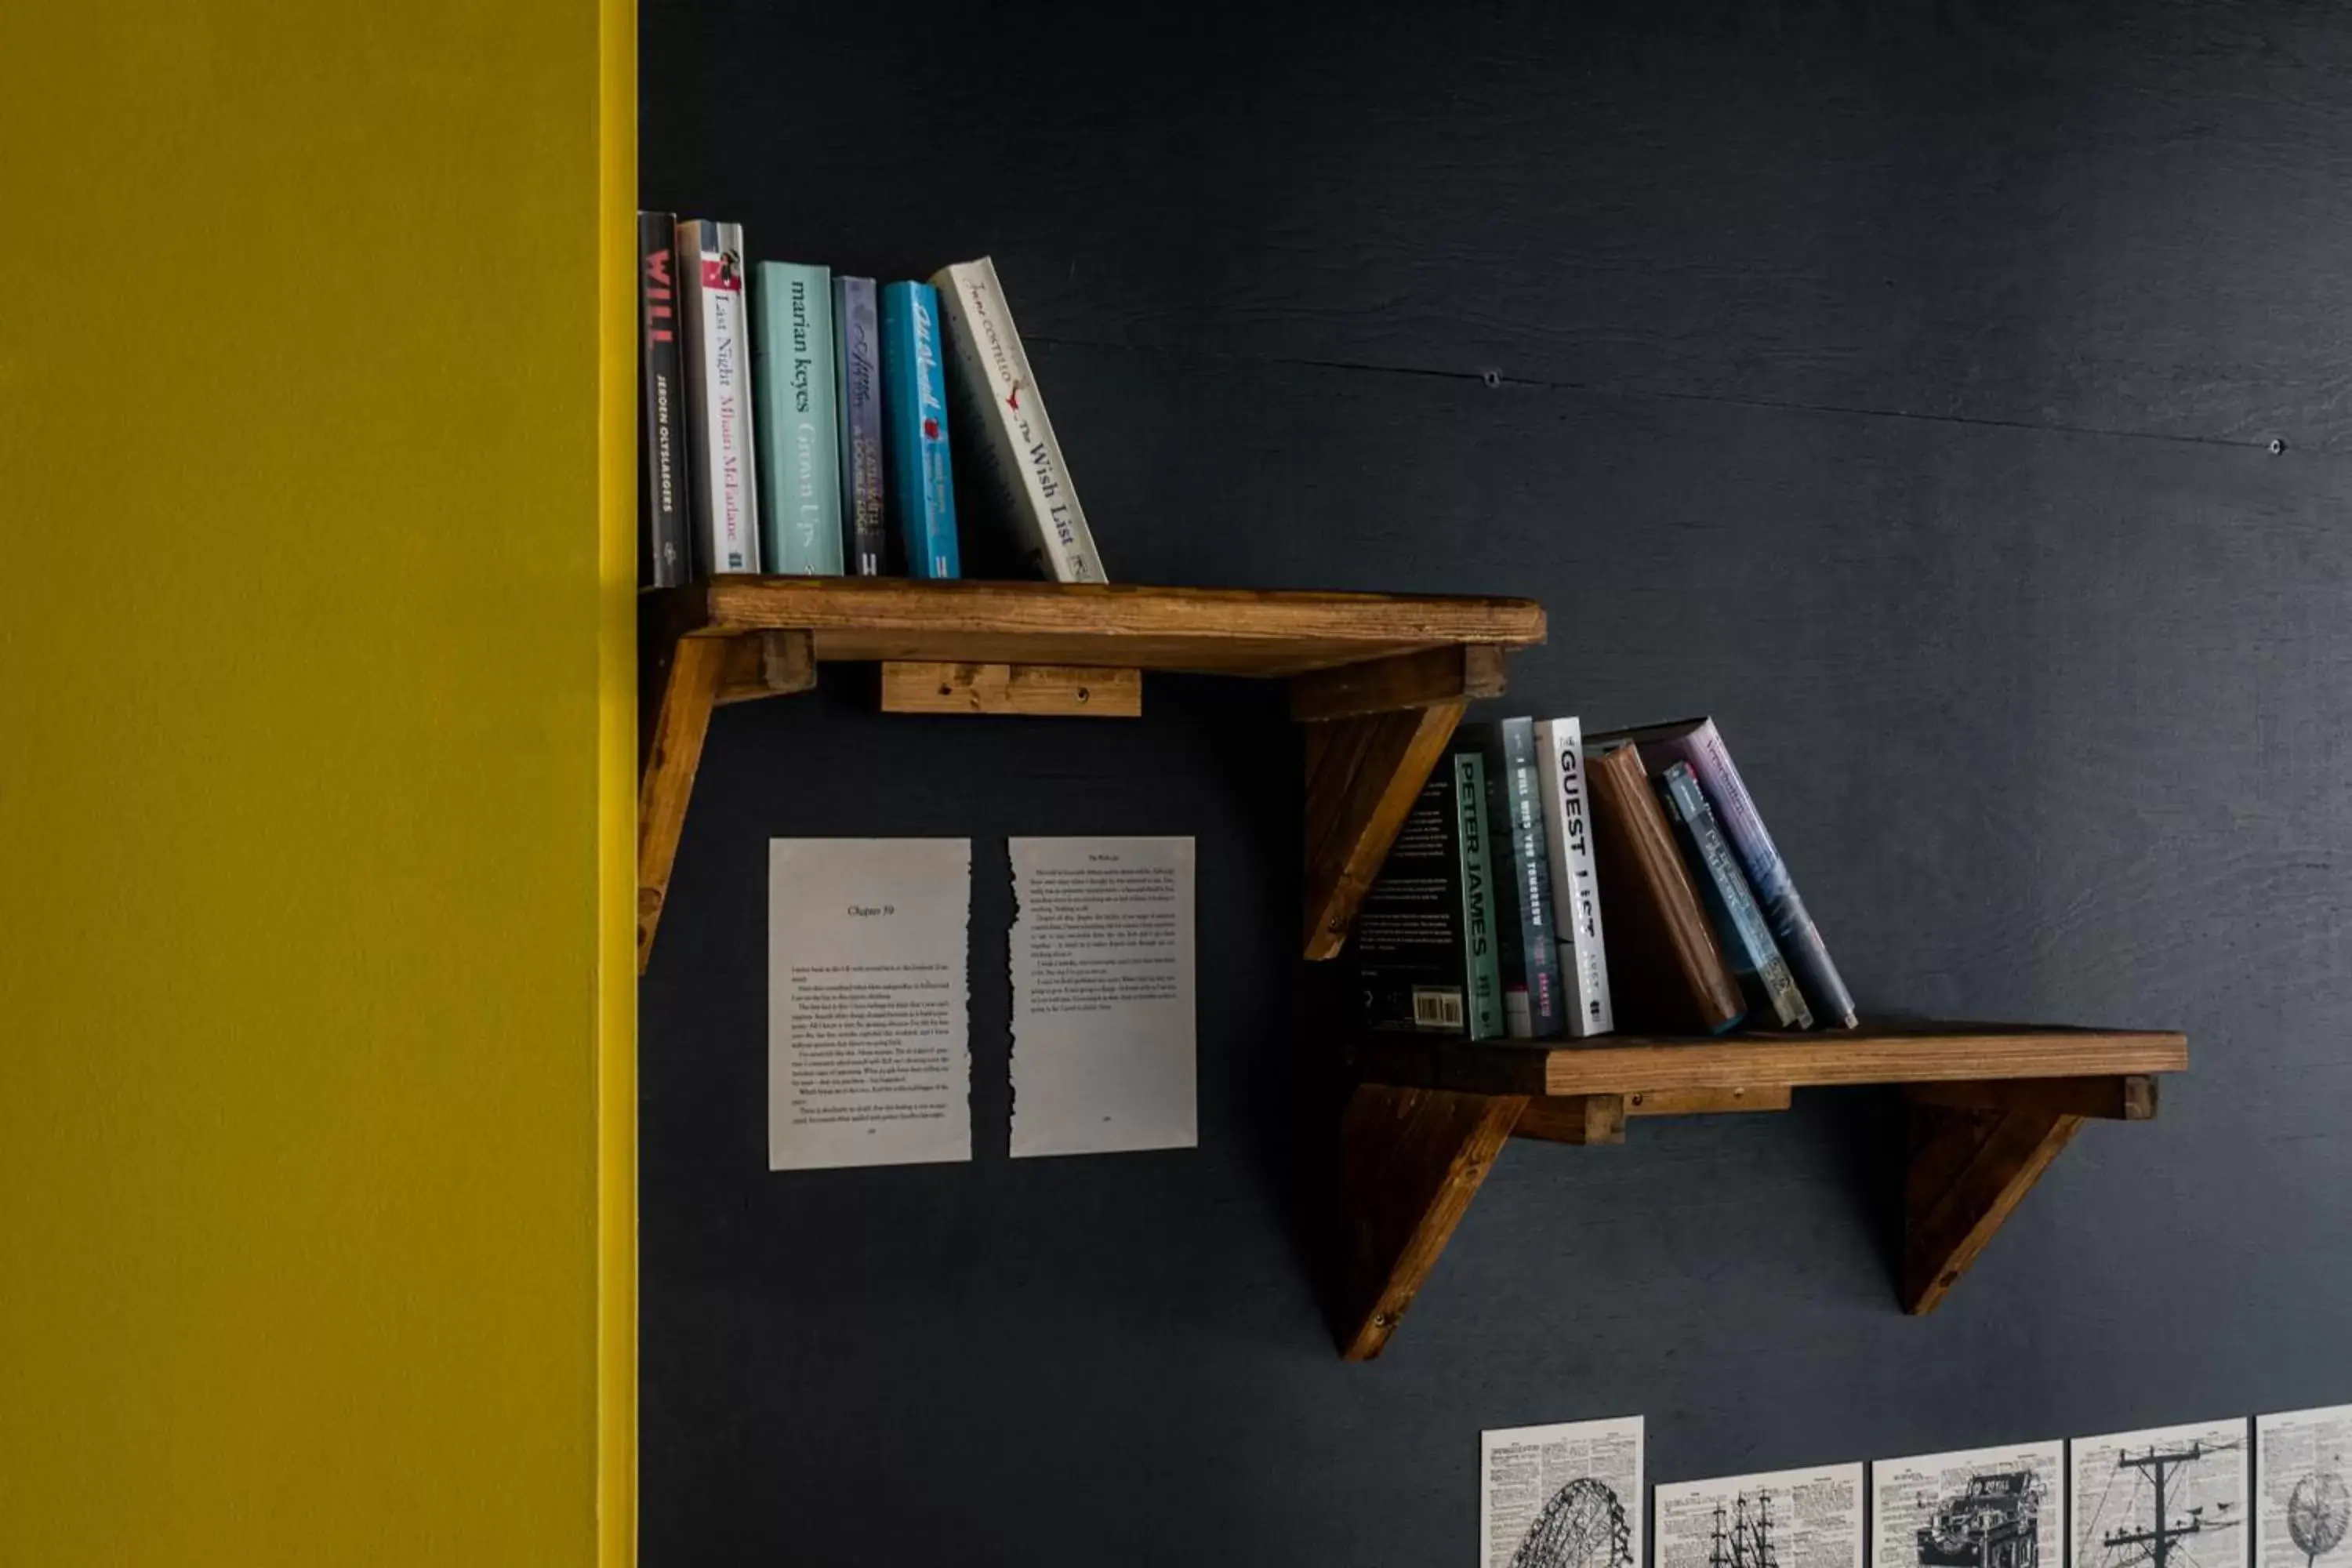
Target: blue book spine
919, 489
857, 356
1699, 744
793, 411
1731, 904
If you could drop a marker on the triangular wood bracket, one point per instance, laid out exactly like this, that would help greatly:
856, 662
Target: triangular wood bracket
682, 676
1410, 1161
1373, 733
684, 679
1976, 1149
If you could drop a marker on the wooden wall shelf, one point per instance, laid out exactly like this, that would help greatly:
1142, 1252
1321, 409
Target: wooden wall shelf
1990, 1105
1379, 679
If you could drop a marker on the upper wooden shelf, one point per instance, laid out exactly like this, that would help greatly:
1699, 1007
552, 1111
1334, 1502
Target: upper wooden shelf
1377, 680
1218, 631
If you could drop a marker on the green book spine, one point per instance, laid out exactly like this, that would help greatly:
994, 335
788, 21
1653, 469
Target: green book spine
1481, 941
796, 417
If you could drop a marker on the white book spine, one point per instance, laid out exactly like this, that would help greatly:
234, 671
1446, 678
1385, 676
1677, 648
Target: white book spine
725, 492
1017, 446
1575, 884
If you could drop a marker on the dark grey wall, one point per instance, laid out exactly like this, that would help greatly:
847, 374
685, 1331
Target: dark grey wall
1895, 381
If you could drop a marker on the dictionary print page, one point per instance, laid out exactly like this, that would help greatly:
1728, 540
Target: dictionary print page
2305, 1460
1786, 1519
1985, 1507
1567, 1495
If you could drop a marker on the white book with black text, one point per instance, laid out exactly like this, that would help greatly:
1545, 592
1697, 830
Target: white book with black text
723, 488
1011, 434
1575, 881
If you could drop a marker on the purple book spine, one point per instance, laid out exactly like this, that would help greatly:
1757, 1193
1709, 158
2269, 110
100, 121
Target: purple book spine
857, 342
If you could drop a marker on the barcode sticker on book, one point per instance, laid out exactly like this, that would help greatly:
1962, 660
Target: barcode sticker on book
1437, 1009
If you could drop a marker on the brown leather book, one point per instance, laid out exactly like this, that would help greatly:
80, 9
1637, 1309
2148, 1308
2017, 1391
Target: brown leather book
1667, 971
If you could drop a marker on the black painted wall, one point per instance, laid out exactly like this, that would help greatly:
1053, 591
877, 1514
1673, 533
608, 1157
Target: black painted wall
1903, 384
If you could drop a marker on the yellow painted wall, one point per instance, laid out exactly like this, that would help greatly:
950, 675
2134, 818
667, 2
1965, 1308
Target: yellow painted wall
307, 782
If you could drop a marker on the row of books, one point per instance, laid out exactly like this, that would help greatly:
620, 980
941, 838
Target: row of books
1546, 883
795, 422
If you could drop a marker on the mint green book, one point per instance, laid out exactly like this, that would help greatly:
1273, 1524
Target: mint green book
796, 416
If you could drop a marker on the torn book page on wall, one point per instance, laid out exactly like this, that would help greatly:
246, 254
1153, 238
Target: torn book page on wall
1103, 1007
869, 1059
1568, 1496
1786, 1519
2305, 1460
2174, 1495
1985, 1507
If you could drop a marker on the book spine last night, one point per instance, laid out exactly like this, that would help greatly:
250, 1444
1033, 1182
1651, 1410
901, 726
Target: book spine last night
661, 454
1739, 925
800, 445
1575, 879
723, 477
919, 487
1009, 432
857, 349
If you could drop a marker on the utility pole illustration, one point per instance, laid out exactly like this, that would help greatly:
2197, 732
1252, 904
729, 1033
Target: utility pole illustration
2163, 1532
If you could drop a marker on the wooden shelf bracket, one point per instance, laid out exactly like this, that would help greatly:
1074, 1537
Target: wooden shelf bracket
1411, 1159
687, 677
1991, 1106
1976, 1149
1374, 731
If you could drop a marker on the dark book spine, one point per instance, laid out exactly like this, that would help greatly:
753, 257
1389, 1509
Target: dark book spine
1731, 904
1481, 969
1533, 999
857, 356
1531, 872
661, 454
1408, 941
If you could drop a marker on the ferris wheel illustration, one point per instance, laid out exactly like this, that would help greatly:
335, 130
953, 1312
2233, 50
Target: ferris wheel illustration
1583, 1526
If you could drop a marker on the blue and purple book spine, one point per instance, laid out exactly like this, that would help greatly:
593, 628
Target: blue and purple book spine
858, 351
921, 490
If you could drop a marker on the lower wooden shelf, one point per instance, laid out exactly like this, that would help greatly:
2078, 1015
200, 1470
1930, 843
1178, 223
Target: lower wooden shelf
1990, 1105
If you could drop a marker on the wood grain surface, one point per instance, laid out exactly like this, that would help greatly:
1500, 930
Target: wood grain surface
1068, 691
1910, 1053
1411, 1162
1234, 631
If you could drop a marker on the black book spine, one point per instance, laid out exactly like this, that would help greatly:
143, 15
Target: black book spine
661, 452
1410, 941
